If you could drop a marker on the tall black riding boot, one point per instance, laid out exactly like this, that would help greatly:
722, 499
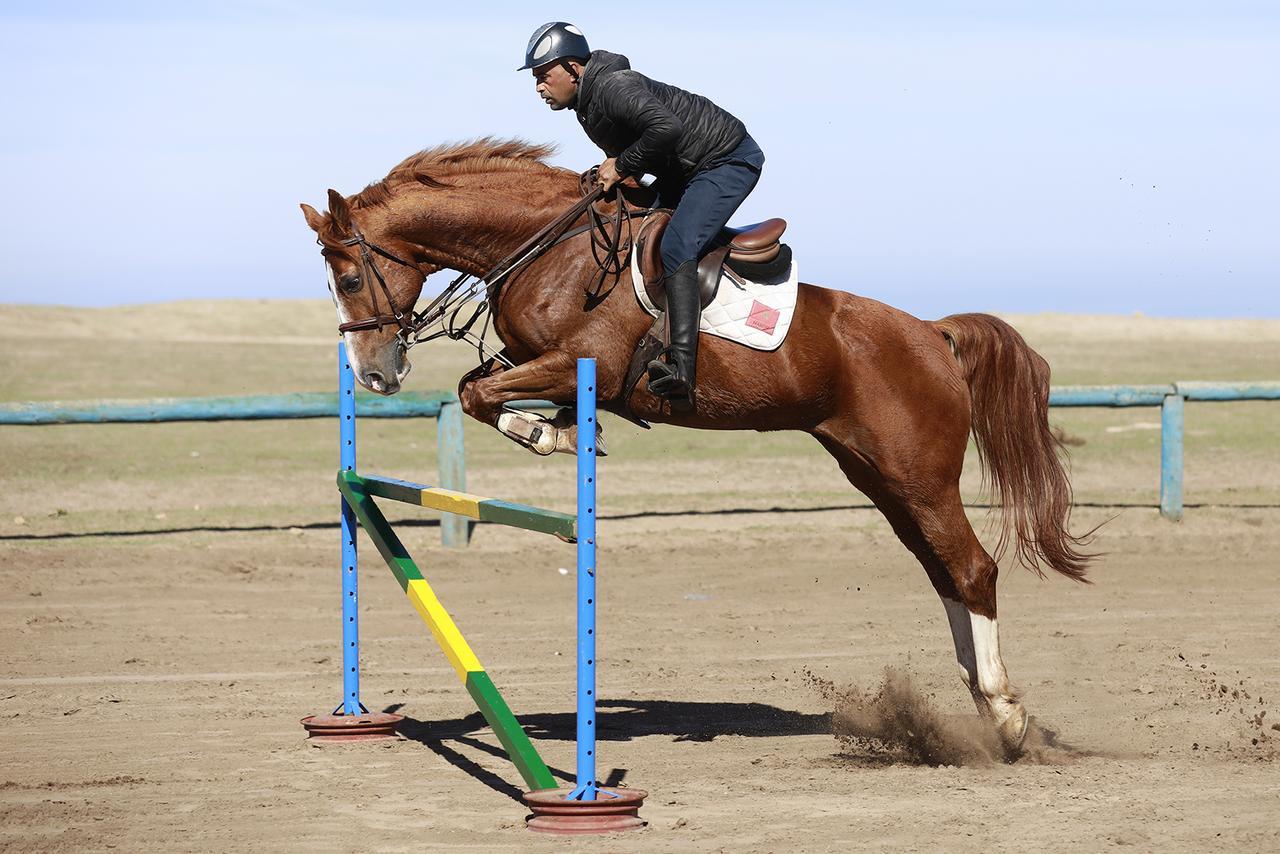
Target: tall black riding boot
674, 379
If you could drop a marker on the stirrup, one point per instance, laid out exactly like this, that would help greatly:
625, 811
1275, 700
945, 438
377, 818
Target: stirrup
665, 382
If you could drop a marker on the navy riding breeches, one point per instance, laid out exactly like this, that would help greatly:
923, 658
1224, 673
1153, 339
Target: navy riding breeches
707, 202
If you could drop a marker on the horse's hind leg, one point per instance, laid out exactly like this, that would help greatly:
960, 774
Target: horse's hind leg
971, 613
930, 521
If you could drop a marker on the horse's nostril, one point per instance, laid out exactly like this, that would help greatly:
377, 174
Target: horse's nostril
379, 383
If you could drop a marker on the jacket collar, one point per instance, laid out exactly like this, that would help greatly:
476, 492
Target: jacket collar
601, 64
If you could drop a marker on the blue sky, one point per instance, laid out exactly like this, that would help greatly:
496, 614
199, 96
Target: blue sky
1085, 157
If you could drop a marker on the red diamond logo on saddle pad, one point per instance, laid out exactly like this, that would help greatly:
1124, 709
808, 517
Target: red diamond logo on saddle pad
762, 317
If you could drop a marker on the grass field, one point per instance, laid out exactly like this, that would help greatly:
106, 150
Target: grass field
170, 595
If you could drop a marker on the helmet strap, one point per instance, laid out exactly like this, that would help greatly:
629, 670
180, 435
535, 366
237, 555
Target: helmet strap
564, 63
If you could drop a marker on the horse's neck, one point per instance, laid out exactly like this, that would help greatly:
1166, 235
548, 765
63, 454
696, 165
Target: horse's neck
475, 227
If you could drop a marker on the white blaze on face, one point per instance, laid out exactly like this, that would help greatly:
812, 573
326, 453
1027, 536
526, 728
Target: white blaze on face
333, 291
343, 317
354, 355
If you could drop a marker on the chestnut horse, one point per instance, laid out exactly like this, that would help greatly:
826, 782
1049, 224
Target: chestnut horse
891, 397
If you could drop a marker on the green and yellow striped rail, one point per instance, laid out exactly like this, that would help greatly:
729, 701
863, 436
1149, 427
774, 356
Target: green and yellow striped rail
359, 492
562, 525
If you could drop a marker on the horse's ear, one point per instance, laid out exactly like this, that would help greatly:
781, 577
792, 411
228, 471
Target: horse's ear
315, 219
340, 212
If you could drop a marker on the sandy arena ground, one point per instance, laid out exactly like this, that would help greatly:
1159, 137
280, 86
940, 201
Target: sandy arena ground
775, 668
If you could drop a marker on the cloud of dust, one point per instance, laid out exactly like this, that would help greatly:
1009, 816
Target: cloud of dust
897, 722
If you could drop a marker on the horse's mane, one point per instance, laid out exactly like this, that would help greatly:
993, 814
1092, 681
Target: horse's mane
430, 165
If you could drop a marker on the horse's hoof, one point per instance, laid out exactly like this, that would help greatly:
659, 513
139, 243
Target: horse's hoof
1013, 734
566, 423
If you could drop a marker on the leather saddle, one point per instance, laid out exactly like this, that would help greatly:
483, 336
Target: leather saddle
759, 243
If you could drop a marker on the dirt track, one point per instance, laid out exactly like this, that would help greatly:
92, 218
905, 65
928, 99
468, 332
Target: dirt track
750, 603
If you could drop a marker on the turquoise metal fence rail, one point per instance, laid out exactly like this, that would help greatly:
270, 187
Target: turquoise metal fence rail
444, 406
451, 454
1171, 399
257, 407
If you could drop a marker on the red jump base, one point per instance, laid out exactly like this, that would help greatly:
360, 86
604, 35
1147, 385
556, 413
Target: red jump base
366, 727
614, 811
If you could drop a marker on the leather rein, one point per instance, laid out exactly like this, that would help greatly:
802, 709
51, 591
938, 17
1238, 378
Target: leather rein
447, 308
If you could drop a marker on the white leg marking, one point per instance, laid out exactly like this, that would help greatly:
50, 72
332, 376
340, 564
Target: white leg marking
993, 680
977, 640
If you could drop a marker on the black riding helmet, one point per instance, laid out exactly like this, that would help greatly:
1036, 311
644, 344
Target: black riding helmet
556, 41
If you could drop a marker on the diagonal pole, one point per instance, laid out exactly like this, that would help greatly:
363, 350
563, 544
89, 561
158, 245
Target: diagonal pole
496, 712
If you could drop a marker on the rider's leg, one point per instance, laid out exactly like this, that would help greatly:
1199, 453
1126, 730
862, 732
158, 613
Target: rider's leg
705, 207
674, 378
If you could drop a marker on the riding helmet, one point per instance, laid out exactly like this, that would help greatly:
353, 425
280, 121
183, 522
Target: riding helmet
555, 41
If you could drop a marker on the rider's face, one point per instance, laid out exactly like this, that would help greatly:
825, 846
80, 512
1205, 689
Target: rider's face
555, 85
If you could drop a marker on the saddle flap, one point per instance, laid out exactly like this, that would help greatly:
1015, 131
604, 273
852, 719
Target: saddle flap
649, 254
649, 248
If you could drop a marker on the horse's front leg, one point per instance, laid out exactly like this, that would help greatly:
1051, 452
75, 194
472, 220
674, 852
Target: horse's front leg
552, 376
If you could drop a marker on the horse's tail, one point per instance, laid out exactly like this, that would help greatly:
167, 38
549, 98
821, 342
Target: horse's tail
1009, 386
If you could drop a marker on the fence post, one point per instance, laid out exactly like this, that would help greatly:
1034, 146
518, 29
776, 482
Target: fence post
1171, 457
452, 460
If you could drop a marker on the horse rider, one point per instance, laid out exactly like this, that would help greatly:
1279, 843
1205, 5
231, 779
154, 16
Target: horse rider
704, 162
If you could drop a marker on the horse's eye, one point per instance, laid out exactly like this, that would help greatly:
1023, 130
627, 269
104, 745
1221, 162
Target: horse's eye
351, 285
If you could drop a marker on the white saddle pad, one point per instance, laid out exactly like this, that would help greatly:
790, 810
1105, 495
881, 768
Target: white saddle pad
757, 314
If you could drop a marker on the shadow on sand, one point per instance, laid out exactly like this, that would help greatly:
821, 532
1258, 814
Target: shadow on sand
894, 723
618, 720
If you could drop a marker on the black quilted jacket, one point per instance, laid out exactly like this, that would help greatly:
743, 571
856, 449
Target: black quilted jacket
648, 126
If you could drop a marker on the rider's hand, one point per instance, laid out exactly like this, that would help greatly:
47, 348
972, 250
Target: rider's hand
608, 174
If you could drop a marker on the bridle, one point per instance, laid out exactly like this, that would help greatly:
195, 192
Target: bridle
446, 309
378, 320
